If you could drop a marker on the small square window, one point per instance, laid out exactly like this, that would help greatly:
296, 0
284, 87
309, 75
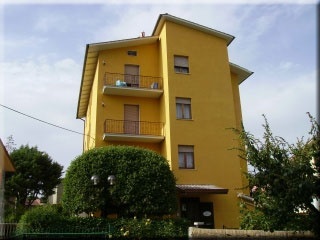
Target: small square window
183, 108
186, 157
132, 53
181, 64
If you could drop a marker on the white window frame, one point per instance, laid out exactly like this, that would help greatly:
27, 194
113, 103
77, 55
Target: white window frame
183, 108
186, 156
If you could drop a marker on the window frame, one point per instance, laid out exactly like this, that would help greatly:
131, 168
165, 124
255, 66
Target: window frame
182, 103
186, 150
181, 64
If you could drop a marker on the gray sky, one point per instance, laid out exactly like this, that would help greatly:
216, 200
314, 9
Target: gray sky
43, 46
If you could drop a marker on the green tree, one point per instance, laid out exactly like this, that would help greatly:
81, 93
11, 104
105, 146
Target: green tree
286, 179
36, 175
144, 185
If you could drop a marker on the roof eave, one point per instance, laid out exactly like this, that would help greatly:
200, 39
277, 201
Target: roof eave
242, 73
83, 71
163, 17
211, 189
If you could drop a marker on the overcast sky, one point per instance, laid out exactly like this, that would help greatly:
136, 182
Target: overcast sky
43, 46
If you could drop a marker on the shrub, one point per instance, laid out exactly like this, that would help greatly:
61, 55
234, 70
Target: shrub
144, 185
41, 218
49, 219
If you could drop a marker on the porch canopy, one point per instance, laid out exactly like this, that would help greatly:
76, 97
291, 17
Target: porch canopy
200, 188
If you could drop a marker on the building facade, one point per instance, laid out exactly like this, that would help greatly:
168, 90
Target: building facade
5, 166
174, 92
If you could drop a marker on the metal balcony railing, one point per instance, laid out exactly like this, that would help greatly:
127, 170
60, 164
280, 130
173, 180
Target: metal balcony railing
112, 126
134, 81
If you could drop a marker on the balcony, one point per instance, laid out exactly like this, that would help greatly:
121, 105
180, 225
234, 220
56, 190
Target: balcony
133, 131
132, 85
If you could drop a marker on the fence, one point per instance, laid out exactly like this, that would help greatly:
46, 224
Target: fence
7, 230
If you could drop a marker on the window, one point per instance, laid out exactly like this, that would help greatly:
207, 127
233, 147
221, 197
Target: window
132, 53
181, 64
183, 108
186, 156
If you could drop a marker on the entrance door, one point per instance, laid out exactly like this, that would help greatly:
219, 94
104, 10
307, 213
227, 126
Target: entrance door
131, 119
199, 213
206, 214
190, 209
131, 76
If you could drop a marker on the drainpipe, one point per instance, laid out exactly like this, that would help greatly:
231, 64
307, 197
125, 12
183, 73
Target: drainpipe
84, 135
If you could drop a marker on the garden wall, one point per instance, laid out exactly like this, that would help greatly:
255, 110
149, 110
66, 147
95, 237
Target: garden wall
232, 234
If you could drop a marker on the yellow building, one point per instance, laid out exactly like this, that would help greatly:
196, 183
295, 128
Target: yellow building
174, 92
5, 166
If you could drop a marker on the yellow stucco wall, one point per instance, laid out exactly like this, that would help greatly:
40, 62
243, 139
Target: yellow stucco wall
92, 117
102, 107
165, 100
215, 106
213, 101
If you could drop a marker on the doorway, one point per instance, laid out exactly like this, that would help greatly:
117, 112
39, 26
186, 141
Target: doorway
199, 213
131, 119
131, 76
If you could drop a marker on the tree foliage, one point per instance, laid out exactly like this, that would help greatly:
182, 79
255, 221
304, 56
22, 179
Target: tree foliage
36, 175
144, 183
286, 178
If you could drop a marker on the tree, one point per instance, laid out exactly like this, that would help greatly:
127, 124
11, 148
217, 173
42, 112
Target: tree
10, 144
286, 181
144, 185
36, 175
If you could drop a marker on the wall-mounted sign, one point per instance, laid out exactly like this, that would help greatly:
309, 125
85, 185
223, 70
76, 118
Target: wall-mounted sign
206, 213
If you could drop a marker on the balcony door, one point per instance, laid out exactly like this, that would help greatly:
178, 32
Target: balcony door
131, 119
131, 76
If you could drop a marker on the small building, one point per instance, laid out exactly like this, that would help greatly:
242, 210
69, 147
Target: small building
5, 166
56, 197
174, 92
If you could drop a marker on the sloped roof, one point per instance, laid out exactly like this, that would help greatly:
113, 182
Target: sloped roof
167, 17
92, 53
242, 73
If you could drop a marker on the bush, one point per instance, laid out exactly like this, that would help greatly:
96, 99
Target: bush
151, 228
144, 185
39, 219
49, 219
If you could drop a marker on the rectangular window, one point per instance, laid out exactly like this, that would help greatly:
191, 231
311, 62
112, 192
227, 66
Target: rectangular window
132, 53
181, 64
183, 108
186, 157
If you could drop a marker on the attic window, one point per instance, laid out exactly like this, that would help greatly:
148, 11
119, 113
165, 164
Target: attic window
132, 53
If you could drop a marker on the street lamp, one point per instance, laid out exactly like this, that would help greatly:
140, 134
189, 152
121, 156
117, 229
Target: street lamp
96, 181
111, 179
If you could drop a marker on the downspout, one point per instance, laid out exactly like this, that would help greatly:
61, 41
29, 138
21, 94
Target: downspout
84, 135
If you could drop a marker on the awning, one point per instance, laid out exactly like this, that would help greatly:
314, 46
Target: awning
200, 188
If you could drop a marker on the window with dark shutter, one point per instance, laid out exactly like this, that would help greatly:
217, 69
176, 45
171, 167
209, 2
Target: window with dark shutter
181, 64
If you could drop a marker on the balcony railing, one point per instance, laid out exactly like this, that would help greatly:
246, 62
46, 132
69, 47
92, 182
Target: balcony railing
134, 81
142, 128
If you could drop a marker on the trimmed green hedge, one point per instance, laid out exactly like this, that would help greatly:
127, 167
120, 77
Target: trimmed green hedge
145, 185
51, 219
